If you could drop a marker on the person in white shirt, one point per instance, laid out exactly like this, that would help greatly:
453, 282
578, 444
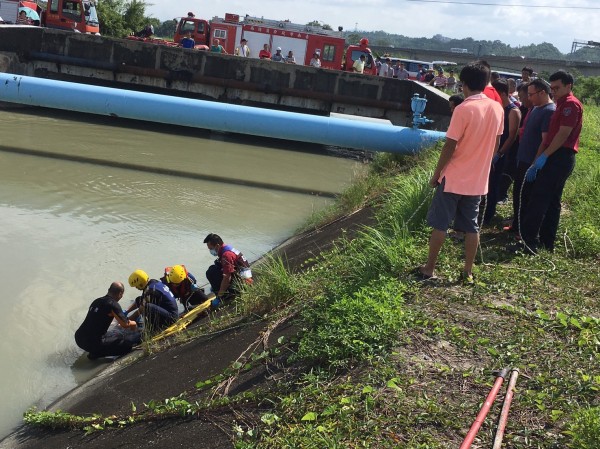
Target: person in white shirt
290, 59
315, 60
440, 81
384, 70
243, 50
451, 81
277, 57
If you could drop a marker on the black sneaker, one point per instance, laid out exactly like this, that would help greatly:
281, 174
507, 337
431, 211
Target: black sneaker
522, 248
467, 279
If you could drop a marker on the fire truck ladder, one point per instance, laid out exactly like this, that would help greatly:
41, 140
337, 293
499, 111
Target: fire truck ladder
287, 25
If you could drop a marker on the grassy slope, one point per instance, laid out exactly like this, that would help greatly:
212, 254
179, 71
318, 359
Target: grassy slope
398, 364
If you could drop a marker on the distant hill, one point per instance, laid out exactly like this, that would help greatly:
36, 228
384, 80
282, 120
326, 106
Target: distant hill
544, 50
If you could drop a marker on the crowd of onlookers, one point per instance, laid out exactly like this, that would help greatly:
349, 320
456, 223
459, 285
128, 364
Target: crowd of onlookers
538, 133
244, 51
521, 132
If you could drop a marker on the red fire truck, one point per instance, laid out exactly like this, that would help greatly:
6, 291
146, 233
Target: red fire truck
303, 40
71, 15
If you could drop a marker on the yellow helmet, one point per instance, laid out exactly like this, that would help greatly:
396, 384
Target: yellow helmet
176, 274
138, 279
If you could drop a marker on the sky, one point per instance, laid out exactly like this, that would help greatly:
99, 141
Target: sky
535, 21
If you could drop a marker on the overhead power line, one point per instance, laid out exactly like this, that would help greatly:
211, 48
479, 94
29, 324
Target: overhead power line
450, 2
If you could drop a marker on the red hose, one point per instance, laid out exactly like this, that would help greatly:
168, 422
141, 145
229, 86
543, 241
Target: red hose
485, 408
510, 391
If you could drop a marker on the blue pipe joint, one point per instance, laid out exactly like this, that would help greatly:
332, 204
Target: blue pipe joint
417, 105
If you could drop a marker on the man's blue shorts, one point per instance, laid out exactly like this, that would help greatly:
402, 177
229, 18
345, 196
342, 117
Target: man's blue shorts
447, 207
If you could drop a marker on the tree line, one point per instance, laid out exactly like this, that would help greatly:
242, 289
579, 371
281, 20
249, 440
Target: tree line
545, 50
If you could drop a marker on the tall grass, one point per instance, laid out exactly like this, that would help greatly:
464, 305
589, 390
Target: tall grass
359, 314
365, 186
581, 222
275, 286
408, 201
369, 185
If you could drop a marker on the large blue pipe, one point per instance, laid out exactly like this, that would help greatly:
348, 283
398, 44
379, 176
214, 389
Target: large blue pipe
215, 116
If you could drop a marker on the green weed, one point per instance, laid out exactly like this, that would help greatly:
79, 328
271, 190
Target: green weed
352, 328
584, 428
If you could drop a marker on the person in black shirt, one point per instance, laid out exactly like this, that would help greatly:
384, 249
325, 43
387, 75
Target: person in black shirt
93, 335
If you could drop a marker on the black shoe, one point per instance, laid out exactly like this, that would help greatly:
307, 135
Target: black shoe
467, 279
418, 275
523, 248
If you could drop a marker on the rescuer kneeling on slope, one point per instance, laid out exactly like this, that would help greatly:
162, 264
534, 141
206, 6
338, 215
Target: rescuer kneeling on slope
229, 270
156, 303
183, 286
92, 335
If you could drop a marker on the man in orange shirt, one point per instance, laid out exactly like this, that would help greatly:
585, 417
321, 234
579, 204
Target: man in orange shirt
462, 171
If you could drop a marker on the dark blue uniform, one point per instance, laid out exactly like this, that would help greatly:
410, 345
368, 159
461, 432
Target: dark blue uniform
160, 307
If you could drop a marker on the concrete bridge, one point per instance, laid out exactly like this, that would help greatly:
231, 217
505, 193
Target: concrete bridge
134, 65
506, 63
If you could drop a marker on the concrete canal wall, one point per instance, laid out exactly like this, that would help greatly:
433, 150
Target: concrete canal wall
134, 65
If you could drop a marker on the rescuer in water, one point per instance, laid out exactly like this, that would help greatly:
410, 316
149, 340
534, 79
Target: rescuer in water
156, 303
183, 286
92, 335
230, 270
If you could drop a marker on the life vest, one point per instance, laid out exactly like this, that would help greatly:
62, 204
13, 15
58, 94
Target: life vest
242, 267
182, 290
